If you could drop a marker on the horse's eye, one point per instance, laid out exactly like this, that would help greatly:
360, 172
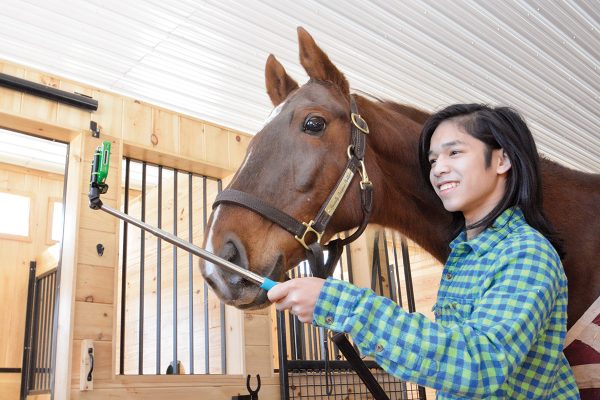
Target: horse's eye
313, 125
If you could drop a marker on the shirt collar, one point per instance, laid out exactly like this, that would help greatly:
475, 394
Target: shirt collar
486, 240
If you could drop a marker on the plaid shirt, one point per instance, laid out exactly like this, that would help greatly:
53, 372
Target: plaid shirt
500, 320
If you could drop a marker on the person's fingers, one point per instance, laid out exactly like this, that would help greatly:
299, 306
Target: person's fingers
279, 291
283, 305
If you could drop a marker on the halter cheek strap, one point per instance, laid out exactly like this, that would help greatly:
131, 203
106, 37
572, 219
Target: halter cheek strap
315, 228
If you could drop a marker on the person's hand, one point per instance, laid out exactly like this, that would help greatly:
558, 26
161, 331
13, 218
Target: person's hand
297, 295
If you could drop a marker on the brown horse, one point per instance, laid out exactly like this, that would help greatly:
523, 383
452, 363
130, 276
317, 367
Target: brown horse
296, 159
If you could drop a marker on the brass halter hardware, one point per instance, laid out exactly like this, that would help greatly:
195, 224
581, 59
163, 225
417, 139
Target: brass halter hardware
360, 123
363, 174
309, 229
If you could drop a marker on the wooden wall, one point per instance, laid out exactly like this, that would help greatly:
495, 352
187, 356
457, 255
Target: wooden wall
16, 253
87, 294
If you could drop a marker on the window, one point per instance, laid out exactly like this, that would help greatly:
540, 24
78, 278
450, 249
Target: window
14, 215
56, 222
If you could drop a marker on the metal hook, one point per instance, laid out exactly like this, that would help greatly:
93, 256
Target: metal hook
253, 393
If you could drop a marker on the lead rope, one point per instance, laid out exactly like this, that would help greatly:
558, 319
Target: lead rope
328, 376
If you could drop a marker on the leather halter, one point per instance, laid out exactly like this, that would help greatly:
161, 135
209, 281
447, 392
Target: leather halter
316, 227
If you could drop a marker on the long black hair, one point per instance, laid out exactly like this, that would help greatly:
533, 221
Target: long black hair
498, 128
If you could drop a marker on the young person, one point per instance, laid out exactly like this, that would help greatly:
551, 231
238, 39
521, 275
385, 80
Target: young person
502, 303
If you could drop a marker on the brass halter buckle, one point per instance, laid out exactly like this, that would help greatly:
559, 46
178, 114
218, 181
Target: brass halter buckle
360, 123
309, 229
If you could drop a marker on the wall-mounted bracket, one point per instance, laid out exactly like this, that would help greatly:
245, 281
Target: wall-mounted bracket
95, 129
86, 365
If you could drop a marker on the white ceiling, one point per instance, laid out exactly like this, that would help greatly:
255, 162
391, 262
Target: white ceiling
206, 57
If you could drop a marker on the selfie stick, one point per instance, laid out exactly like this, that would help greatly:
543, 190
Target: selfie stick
98, 186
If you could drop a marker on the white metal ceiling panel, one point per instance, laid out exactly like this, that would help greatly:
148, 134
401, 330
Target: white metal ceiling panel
206, 58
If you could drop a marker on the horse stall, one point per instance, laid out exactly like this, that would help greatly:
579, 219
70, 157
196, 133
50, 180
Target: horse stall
94, 307
164, 166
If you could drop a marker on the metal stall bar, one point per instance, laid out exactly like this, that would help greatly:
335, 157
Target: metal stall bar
284, 386
48, 334
222, 317
190, 275
390, 271
142, 276
43, 347
397, 267
44, 333
175, 363
408, 276
124, 272
159, 274
206, 308
51, 329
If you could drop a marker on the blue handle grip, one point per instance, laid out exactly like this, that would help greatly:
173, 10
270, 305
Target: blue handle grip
268, 284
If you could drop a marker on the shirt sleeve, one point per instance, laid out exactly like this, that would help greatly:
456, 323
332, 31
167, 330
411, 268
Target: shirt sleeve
471, 359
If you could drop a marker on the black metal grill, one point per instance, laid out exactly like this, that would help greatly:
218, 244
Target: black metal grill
312, 367
190, 316
307, 382
40, 331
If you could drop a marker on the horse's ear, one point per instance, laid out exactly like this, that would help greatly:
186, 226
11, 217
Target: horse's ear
279, 83
317, 64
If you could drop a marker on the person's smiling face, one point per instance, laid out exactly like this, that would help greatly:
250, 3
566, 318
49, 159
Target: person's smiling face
459, 174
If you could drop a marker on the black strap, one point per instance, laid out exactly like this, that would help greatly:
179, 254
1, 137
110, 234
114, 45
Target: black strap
323, 217
358, 136
367, 207
255, 204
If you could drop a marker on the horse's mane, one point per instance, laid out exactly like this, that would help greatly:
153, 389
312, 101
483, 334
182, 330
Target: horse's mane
415, 114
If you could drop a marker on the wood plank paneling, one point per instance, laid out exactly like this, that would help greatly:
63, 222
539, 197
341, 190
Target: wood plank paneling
10, 385
192, 138
217, 145
181, 392
238, 144
165, 131
95, 284
93, 321
137, 125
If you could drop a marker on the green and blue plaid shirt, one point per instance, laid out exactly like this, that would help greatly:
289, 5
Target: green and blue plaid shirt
500, 320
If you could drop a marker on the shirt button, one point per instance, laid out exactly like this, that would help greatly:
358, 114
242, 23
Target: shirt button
448, 275
379, 348
329, 319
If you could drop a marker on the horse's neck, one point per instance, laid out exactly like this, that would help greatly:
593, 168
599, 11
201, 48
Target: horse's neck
402, 200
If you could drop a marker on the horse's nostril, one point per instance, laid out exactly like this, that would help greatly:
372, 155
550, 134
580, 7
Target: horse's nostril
230, 252
235, 280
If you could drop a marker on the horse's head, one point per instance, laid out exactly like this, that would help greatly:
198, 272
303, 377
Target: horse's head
292, 164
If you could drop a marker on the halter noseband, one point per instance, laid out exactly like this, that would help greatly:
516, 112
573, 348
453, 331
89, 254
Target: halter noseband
316, 227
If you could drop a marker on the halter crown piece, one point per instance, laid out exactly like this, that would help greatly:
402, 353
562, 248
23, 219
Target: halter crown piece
316, 227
